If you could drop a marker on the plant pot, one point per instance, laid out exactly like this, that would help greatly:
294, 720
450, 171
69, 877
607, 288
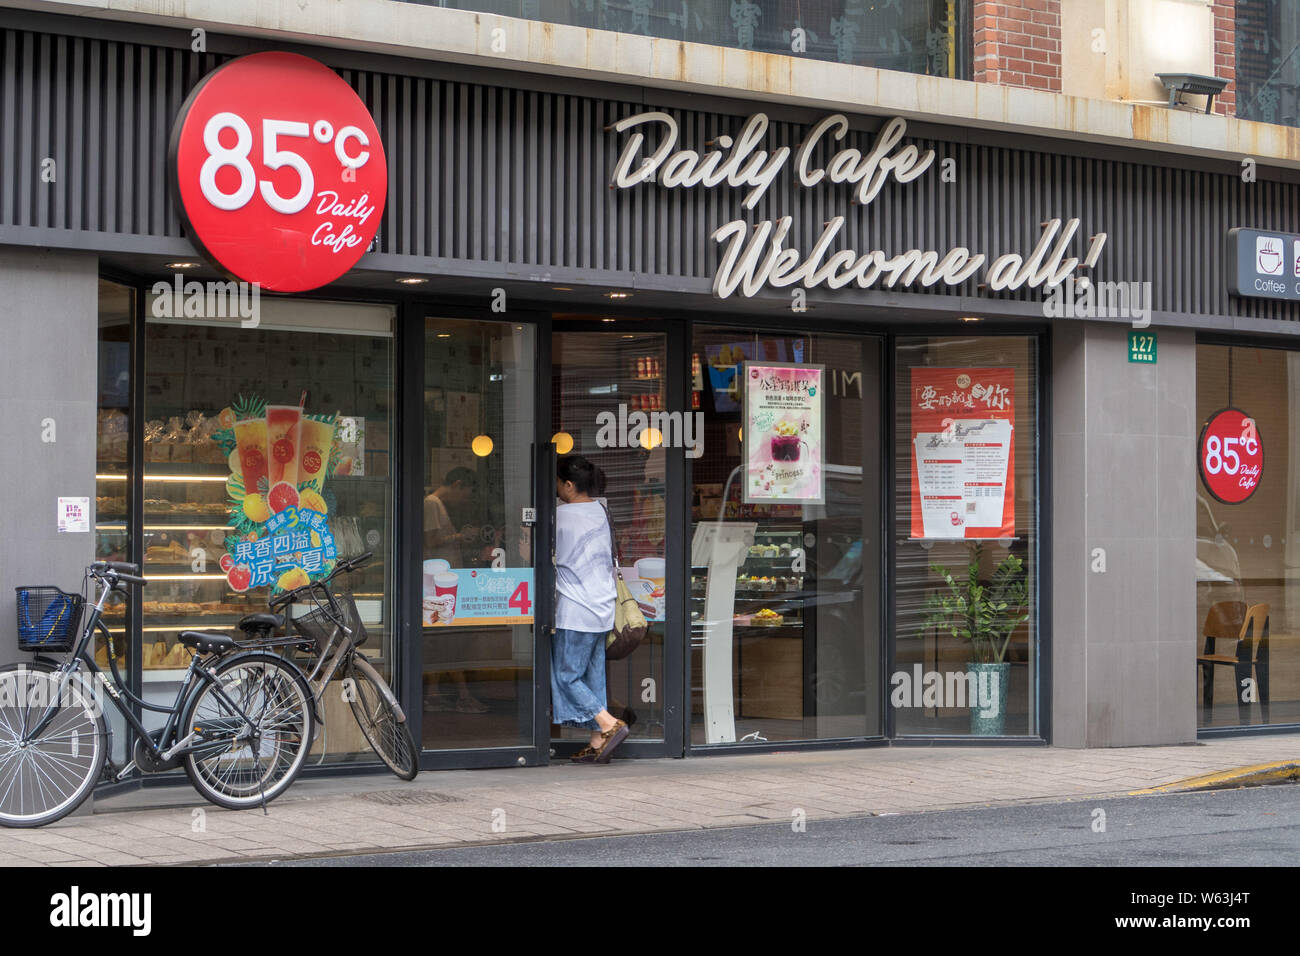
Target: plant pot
989, 711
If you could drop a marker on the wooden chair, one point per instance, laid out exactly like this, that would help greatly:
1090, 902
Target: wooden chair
1248, 628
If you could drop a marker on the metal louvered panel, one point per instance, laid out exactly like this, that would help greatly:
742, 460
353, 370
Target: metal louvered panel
520, 177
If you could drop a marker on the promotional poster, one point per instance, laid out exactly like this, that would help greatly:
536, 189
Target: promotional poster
963, 453
782, 432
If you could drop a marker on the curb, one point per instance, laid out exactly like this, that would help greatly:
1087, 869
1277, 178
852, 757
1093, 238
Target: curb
1258, 775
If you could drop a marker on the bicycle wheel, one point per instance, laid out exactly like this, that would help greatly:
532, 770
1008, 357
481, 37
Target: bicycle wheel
232, 767
46, 777
383, 725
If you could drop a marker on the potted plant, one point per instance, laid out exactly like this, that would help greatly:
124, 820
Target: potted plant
985, 615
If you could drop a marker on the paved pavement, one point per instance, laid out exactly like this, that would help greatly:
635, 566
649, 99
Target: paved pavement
464, 807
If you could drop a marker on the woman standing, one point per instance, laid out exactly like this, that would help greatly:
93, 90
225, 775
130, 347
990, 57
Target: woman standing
584, 609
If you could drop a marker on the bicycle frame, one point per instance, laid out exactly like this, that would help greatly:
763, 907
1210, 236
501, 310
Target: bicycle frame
339, 652
196, 676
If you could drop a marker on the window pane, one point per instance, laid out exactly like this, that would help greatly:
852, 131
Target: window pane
786, 635
602, 379
965, 484
241, 425
1247, 548
479, 591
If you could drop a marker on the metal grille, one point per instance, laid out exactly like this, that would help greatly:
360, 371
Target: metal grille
519, 179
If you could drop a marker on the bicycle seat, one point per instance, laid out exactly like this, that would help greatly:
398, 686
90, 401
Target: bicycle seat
206, 643
261, 622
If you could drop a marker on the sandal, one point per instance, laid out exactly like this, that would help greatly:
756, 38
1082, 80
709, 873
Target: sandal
585, 755
613, 737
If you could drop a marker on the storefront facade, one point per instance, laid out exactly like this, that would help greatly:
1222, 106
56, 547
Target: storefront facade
972, 421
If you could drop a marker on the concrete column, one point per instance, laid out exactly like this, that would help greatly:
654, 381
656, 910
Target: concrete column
1123, 481
48, 373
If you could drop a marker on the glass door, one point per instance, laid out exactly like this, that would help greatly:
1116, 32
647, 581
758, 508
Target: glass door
613, 402
478, 594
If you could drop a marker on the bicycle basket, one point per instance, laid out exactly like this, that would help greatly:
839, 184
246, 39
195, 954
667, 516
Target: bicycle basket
48, 619
317, 625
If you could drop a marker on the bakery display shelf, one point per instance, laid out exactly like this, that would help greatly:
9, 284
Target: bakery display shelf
211, 520
200, 619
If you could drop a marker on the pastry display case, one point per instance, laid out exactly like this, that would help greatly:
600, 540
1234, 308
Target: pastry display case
768, 624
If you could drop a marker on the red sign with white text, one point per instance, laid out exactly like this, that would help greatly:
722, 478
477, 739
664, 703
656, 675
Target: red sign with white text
963, 453
1231, 456
279, 171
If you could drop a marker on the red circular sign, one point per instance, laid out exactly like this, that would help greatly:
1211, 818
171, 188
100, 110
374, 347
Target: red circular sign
1231, 456
279, 170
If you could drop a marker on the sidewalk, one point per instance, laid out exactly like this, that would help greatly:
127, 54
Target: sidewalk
446, 808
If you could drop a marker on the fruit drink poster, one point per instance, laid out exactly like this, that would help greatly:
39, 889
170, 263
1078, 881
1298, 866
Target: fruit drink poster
963, 453
281, 460
782, 432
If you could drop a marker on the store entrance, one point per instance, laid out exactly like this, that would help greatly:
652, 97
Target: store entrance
614, 401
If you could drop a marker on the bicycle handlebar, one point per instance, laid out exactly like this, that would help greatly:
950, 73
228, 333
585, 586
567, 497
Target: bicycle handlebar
345, 566
122, 567
114, 573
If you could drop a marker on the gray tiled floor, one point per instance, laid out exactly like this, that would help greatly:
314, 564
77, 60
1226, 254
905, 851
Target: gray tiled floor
331, 815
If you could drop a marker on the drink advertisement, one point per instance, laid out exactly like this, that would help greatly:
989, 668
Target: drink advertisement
281, 460
781, 432
461, 597
645, 580
963, 453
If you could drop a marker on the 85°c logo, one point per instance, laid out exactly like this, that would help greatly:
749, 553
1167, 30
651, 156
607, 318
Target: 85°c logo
279, 171
1231, 456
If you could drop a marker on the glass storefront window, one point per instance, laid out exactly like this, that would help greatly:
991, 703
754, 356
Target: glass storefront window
242, 424
479, 592
920, 36
1267, 61
966, 493
1247, 536
785, 595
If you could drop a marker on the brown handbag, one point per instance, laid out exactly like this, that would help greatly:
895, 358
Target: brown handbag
629, 623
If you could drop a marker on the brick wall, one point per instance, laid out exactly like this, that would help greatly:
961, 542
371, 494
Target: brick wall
1018, 43
1225, 55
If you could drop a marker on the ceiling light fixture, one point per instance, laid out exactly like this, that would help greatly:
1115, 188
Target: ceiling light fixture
412, 280
182, 265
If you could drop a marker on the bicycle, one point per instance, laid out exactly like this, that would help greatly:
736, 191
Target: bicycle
241, 725
334, 629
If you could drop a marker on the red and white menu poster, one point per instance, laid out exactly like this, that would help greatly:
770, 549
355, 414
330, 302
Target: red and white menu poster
963, 453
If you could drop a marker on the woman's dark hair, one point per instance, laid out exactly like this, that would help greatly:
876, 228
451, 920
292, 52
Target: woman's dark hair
586, 477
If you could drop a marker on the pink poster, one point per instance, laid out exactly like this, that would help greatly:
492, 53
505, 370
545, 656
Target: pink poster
782, 433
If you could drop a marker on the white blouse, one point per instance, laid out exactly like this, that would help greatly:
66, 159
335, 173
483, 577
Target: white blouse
584, 569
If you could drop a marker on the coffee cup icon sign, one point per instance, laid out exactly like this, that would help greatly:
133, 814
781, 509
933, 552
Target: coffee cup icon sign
1268, 255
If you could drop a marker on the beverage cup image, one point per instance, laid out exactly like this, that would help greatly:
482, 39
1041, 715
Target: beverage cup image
283, 438
785, 447
314, 455
653, 570
445, 584
432, 568
250, 441
1269, 258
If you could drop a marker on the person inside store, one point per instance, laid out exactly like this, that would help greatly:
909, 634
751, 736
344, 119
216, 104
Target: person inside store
442, 540
584, 609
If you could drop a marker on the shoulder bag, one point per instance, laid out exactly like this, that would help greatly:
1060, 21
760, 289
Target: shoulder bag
629, 623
